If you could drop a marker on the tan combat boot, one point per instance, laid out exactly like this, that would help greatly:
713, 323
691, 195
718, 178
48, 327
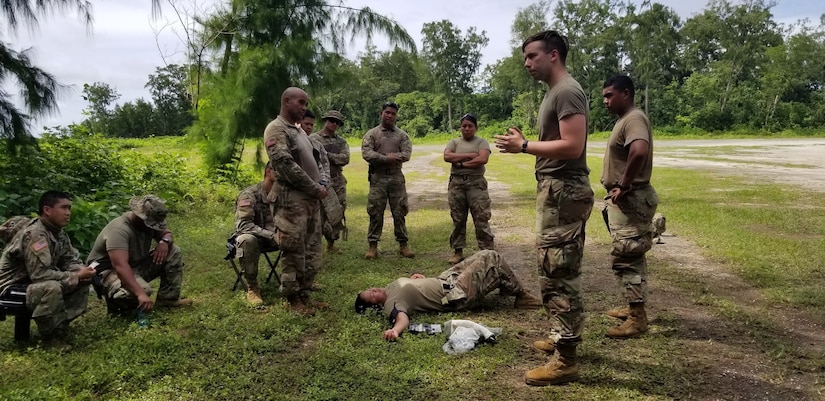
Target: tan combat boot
526, 300
405, 250
253, 296
547, 346
173, 303
635, 325
619, 313
458, 256
295, 304
559, 370
331, 247
372, 253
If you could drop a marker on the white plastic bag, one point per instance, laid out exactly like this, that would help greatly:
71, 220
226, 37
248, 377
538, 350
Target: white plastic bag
462, 339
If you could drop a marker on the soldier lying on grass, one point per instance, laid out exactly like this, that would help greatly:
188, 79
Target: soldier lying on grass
461, 287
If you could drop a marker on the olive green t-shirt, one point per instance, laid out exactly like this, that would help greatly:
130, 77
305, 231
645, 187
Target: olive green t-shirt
474, 145
119, 234
634, 125
414, 295
564, 99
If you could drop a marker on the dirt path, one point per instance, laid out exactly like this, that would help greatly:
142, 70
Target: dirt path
717, 357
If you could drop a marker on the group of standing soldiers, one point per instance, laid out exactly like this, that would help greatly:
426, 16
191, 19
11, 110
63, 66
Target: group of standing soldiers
304, 165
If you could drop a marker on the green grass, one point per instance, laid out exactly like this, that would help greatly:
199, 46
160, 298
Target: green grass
220, 349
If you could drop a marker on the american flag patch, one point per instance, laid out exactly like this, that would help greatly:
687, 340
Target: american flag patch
39, 245
270, 142
244, 202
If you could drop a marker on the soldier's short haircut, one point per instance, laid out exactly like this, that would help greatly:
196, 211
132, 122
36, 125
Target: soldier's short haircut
469, 117
622, 83
309, 114
552, 40
389, 104
50, 198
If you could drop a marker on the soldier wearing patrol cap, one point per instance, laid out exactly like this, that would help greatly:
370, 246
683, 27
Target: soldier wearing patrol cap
41, 255
124, 252
338, 156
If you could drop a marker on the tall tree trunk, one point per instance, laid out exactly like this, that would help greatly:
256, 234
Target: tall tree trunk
647, 102
449, 113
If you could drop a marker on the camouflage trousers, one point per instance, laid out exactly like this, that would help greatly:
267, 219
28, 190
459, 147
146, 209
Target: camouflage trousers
332, 212
392, 189
479, 275
299, 235
249, 248
170, 274
562, 209
53, 307
629, 222
468, 193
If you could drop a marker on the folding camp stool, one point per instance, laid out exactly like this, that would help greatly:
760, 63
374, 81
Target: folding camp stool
231, 250
13, 302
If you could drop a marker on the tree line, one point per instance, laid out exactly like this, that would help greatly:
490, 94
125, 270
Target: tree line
730, 67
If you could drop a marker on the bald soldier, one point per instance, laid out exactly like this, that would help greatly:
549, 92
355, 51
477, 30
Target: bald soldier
41, 255
298, 206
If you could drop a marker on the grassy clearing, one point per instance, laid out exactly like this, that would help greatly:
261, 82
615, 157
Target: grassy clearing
221, 349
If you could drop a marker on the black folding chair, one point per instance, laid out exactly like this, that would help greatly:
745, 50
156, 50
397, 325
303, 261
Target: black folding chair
13, 302
231, 250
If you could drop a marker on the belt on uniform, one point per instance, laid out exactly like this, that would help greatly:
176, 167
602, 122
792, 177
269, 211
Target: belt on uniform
466, 177
388, 171
556, 176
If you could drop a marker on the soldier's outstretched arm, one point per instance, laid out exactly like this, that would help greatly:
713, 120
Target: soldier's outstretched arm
402, 321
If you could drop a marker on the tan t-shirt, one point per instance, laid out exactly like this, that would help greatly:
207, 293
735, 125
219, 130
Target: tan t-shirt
634, 125
119, 234
414, 295
564, 99
474, 145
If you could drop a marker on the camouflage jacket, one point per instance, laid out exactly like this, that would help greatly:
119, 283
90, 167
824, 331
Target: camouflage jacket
337, 152
253, 212
40, 253
281, 141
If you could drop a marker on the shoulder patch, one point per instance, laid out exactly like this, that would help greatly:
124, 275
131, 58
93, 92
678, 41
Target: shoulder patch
39, 245
244, 202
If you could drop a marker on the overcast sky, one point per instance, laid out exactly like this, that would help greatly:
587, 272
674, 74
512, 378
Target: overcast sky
122, 49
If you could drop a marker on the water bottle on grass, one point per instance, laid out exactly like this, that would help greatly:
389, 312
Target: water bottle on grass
142, 319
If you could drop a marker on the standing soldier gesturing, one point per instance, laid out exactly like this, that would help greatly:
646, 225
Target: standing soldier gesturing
564, 200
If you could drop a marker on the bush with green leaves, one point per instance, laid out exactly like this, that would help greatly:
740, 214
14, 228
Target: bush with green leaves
101, 176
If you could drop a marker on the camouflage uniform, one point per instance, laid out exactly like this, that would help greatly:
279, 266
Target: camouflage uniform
630, 219
43, 256
467, 192
463, 286
338, 156
331, 212
563, 204
254, 228
298, 209
120, 234
387, 183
